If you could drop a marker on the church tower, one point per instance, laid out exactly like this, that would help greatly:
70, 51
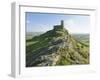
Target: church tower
59, 27
62, 23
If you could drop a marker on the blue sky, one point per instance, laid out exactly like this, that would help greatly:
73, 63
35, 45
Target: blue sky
42, 22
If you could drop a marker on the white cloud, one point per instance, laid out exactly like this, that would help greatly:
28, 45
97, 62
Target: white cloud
75, 27
69, 22
27, 21
70, 25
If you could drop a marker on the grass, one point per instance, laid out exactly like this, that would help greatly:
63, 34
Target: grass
31, 43
36, 43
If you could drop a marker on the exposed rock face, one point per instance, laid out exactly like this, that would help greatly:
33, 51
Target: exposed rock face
61, 49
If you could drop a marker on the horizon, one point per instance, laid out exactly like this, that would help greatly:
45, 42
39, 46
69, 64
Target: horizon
42, 22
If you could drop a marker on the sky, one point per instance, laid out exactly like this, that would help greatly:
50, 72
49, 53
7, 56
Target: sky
42, 22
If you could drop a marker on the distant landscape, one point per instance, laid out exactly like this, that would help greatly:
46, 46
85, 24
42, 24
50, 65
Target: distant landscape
84, 38
30, 35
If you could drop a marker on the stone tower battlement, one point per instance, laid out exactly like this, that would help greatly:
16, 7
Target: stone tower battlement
61, 26
62, 23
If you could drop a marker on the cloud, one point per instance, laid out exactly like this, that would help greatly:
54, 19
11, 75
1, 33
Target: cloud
27, 21
70, 25
75, 26
69, 22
